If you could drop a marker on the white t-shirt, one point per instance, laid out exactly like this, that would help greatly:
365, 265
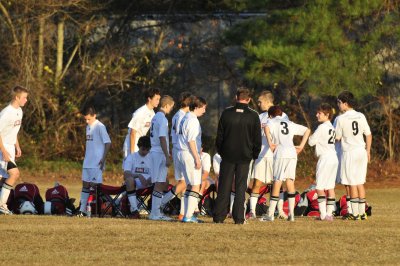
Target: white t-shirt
323, 139
189, 130
282, 131
137, 164
205, 162
175, 126
140, 122
216, 163
10, 123
350, 128
159, 128
96, 137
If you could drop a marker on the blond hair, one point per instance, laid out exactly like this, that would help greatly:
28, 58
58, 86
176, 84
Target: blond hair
166, 100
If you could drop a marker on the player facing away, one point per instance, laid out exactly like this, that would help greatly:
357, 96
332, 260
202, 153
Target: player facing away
189, 162
180, 187
160, 157
137, 173
351, 127
324, 141
10, 123
280, 132
98, 144
141, 121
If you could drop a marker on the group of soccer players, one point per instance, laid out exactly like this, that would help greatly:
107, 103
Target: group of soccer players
342, 152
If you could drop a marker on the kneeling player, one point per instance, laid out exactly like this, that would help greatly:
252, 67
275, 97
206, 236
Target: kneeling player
324, 141
137, 173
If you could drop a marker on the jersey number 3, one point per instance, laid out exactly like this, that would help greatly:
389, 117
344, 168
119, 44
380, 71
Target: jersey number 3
285, 129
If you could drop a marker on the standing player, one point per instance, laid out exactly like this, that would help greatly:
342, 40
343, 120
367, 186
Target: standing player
160, 157
324, 141
98, 144
180, 187
137, 173
189, 162
141, 120
280, 132
10, 123
350, 130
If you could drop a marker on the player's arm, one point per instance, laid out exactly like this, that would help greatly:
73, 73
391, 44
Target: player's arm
18, 151
312, 141
303, 141
195, 154
4, 152
267, 132
103, 159
132, 137
368, 140
163, 143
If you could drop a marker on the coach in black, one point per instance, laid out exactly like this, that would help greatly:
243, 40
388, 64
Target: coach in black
238, 142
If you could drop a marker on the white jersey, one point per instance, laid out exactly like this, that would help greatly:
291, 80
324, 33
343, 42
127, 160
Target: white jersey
140, 122
96, 137
282, 131
137, 164
189, 130
10, 123
217, 163
176, 119
265, 150
205, 162
338, 145
159, 128
323, 139
350, 128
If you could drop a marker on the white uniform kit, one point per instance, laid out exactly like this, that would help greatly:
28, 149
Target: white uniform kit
140, 122
324, 141
10, 123
139, 165
350, 128
206, 165
176, 119
159, 128
96, 138
189, 130
285, 157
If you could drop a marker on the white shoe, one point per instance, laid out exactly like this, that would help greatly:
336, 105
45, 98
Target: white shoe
4, 210
160, 218
267, 218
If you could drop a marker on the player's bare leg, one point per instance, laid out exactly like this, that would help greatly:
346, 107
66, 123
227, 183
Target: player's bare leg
6, 187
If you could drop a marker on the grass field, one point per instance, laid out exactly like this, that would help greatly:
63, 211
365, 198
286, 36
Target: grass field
44, 240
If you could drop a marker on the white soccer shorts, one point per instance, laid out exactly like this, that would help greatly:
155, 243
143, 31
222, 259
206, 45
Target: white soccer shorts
353, 169
159, 170
284, 168
264, 169
92, 175
186, 166
327, 168
3, 164
178, 174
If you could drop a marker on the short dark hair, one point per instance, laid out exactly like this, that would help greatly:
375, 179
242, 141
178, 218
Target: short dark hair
150, 93
347, 97
89, 110
144, 142
274, 111
196, 102
327, 109
17, 90
243, 93
184, 99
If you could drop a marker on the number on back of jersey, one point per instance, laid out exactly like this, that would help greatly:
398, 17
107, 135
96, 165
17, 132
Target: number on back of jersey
332, 135
354, 126
285, 128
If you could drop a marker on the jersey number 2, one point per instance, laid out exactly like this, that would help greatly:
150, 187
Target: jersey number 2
332, 138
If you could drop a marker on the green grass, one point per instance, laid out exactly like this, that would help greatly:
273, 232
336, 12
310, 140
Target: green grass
64, 240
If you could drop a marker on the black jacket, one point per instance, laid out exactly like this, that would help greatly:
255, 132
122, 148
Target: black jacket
239, 134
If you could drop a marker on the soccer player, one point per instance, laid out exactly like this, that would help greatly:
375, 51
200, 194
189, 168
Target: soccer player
351, 128
160, 157
141, 121
10, 123
180, 187
189, 162
137, 173
98, 144
324, 141
280, 132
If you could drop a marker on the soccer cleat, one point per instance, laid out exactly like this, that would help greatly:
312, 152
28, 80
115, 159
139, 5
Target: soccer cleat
180, 217
4, 210
193, 220
160, 218
134, 215
346, 216
267, 218
251, 216
352, 217
81, 214
364, 217
290, 218
282, 216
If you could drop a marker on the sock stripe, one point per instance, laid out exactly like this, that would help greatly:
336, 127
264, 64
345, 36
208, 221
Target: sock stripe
255, 195
291, 195
86, 190
362, 200
157, 194
131, 193
274, 198
7, 186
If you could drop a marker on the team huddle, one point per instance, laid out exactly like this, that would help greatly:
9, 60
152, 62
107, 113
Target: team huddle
342, 153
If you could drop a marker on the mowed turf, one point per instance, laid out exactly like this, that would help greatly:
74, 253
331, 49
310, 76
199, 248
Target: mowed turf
69, 240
